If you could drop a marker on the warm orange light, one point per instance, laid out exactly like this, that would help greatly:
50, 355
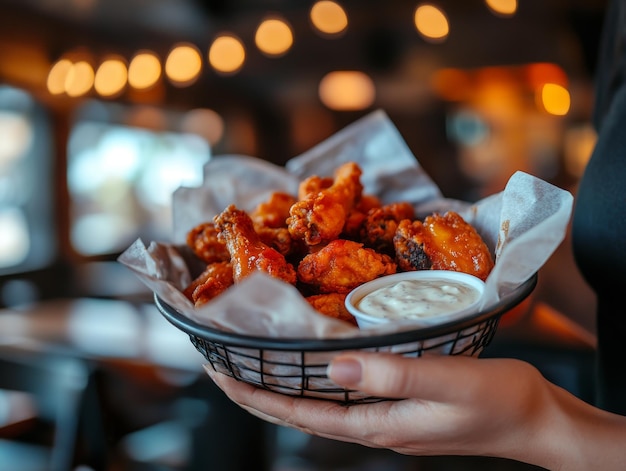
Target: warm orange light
273, 37
57, 76
502, 7
144, 70
452, 84
431, 23
328, 17
110, 77
227, 54
541, 73
347, 91
79, 79
183, 64
555, 99
578, 146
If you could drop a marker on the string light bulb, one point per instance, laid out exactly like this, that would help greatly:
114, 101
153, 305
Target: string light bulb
227, 54
505, 8
274, 37
431, 23
79, 79
183, 64
144, 70
57, 76
111, 77
328, 17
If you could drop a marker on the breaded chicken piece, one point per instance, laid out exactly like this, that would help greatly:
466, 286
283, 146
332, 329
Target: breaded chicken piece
332, 305
356, 217
380, 224
205, 244
274, 212
321, 215
343, 265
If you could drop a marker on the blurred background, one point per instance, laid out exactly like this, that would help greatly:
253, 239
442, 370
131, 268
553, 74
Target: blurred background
107, 106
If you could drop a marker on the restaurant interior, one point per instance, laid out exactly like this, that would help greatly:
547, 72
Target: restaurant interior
108, 106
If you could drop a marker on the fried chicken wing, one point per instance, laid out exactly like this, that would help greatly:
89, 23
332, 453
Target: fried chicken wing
332, 305
205, 244
321, 215
274, 212
312, 185
380, 224
280, 239
342, 265
247, 251
356, 217
445, 242
214, 280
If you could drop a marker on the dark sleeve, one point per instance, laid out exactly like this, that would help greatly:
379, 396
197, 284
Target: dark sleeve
599, 222
611, 64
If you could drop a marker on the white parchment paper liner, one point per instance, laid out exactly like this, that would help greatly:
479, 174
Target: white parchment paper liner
522, 225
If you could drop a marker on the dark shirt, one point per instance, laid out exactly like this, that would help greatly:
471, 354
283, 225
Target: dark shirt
599, 221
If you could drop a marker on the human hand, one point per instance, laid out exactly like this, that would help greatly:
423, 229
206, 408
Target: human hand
453, 405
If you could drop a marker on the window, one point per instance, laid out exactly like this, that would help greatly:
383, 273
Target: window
27, 237
121, 180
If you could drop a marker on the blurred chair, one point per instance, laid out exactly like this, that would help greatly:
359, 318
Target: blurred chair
60, 392
161, 419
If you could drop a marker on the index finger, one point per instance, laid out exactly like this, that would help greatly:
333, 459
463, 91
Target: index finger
316, 416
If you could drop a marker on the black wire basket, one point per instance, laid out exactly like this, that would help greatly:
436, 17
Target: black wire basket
297, 367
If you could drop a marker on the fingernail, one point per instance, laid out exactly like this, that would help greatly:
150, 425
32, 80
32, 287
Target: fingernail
345, 371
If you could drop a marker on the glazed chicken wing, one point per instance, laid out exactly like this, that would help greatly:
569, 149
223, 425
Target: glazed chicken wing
321, 215
247, 251
445, 242
214, 280
342, 265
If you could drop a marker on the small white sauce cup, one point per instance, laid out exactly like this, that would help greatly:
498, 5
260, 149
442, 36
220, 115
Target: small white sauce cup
445, 276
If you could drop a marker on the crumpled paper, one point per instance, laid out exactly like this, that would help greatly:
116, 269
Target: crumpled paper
522, 225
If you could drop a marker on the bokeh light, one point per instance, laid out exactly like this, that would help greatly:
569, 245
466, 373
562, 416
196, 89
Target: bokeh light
555, 99
183, 64
328, 17
227, 54
204, 122
57, 76
111, 77
79, 79
273, 37
144, 70
502, 7
431, 23
347, 90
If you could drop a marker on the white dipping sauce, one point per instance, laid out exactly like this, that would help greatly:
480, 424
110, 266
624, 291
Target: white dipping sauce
416, 299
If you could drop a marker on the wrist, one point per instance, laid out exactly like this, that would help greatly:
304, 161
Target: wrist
570, 434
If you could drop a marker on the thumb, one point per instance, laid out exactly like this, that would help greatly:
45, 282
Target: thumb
395, 376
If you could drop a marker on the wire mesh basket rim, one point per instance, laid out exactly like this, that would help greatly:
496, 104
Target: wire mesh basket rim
189, 326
